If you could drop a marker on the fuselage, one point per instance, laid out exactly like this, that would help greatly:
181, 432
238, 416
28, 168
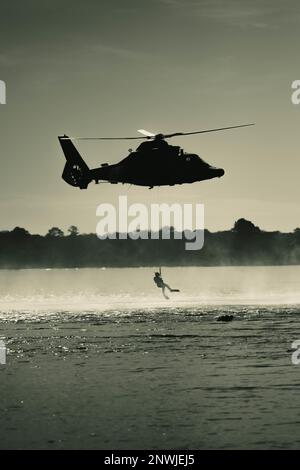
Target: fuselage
157, 169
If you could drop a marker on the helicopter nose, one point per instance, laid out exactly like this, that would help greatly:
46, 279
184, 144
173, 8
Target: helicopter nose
220, 172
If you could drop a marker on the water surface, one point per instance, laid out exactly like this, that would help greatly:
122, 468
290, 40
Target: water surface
98, 359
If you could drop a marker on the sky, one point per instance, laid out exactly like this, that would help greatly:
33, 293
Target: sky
110, 67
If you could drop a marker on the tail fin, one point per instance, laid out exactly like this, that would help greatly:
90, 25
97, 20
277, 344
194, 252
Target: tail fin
76, 172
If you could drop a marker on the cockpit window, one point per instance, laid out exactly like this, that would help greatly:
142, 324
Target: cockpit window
190, 157
203, 161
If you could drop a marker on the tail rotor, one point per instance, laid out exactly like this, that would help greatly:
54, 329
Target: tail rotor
76, 172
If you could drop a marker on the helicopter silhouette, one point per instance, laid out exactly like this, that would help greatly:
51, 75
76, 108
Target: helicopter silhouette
153, 163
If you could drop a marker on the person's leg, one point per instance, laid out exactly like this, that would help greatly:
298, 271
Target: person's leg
164, 293
170, 289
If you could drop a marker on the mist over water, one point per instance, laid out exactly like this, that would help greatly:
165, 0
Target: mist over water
131, 289
97, 358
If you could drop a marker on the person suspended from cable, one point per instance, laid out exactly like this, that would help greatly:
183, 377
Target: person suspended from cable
162, 285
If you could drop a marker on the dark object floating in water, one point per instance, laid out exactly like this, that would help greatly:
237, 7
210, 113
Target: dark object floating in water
225, 318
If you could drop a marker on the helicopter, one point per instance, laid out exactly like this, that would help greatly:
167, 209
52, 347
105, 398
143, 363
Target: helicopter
153, 163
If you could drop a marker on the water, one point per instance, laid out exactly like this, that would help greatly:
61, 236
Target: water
98, 359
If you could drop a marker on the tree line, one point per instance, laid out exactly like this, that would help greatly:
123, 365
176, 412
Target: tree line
244, 244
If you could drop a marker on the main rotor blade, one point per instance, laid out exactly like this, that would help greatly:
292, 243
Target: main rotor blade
146, 133
149, 135
167, 136
105, 138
